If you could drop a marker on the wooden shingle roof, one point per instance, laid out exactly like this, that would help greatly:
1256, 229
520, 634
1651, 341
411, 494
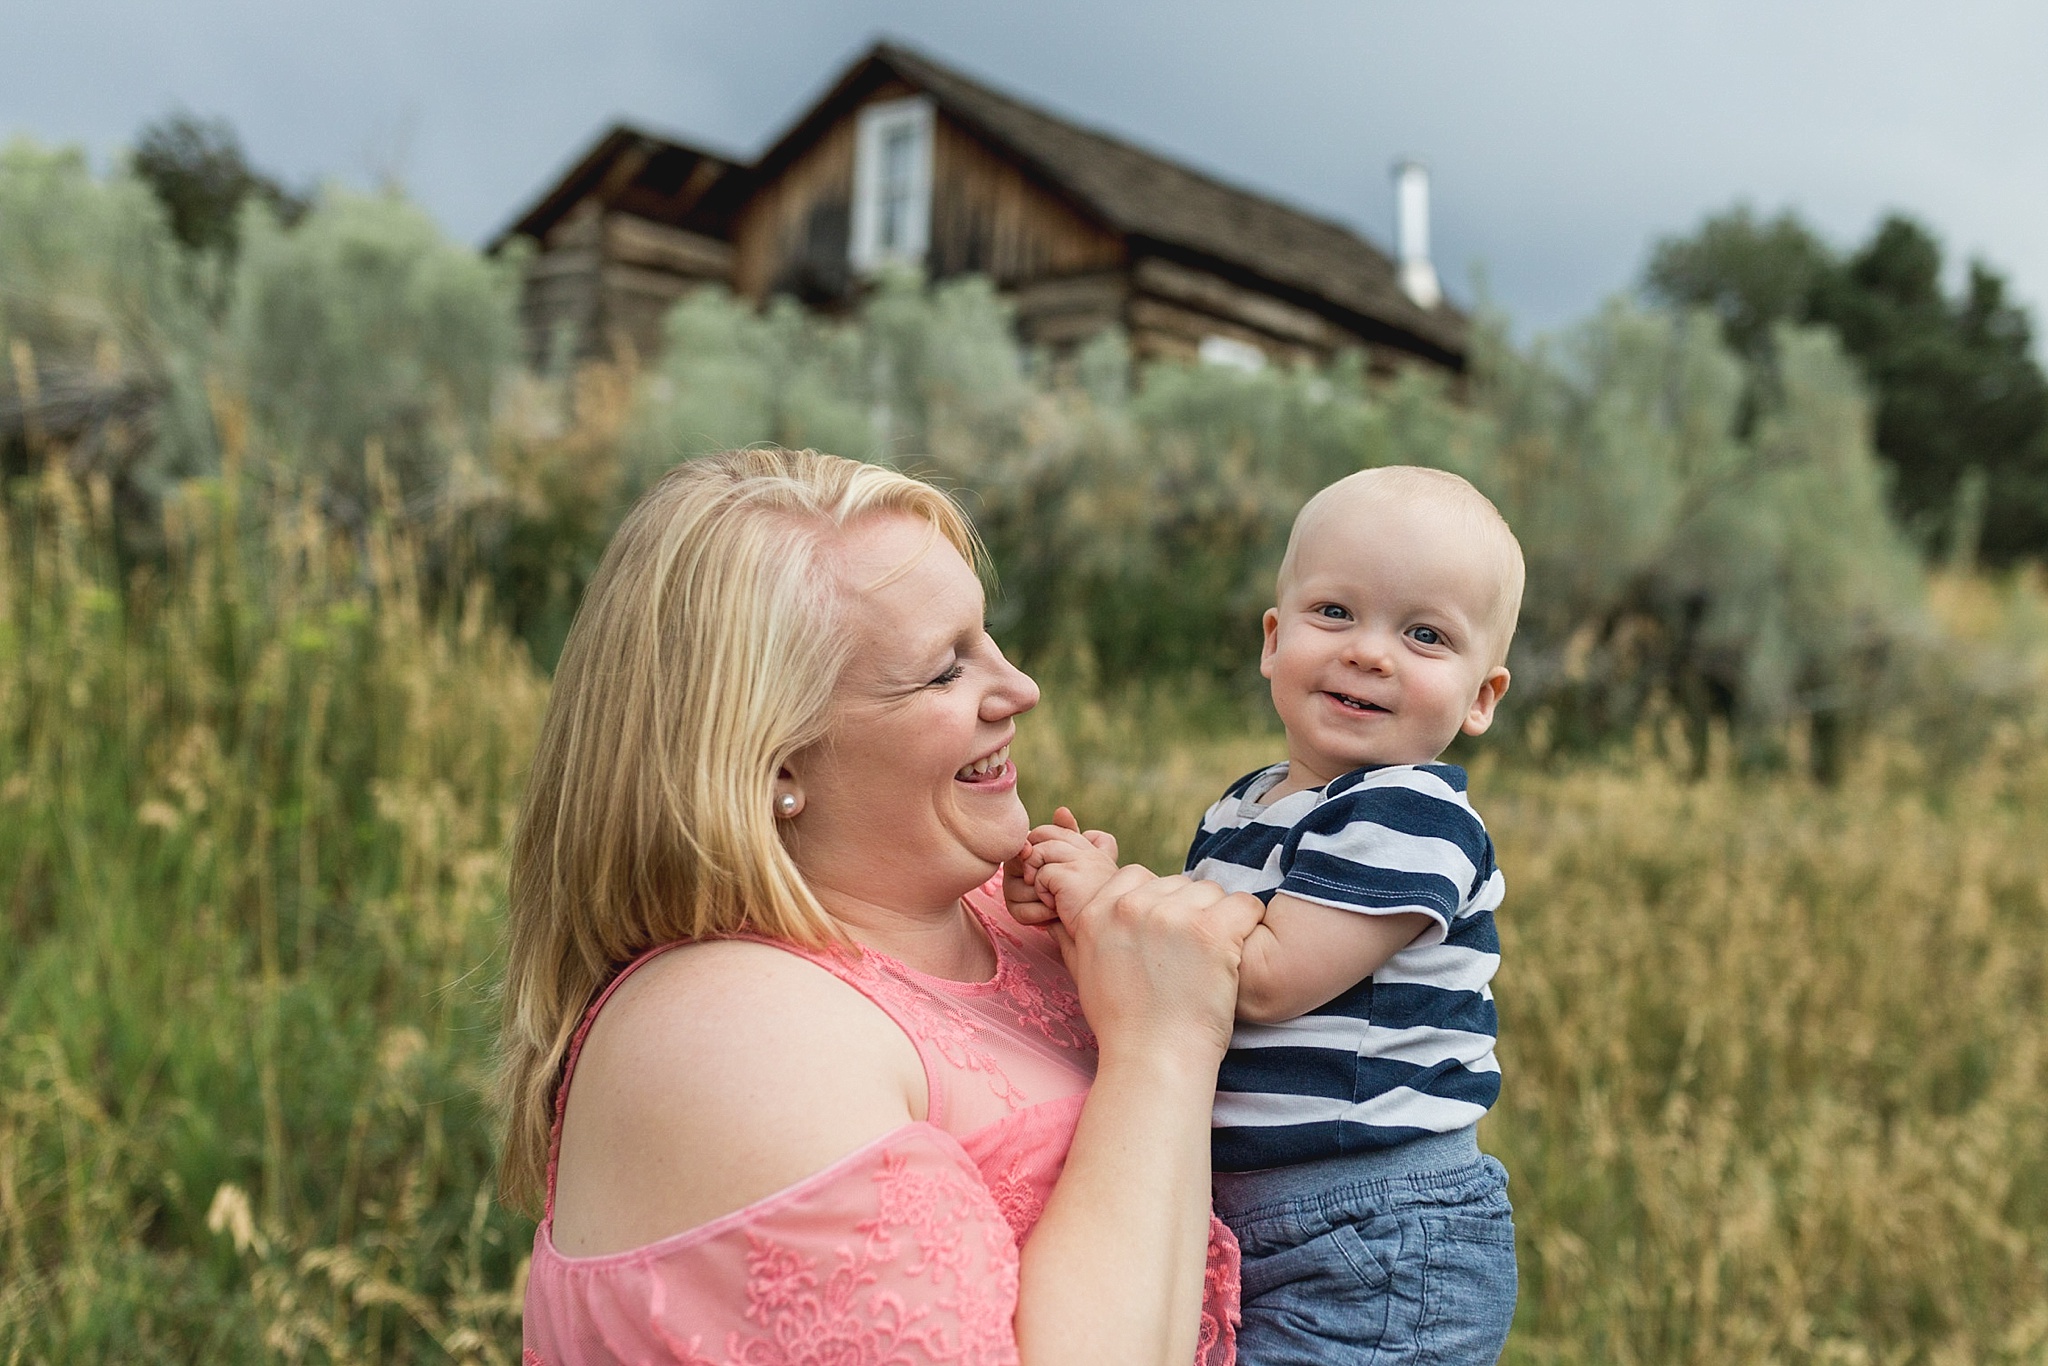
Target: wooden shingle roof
1147, 196
639, 172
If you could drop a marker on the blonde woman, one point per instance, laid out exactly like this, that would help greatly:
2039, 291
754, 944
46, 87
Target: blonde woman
786, 1081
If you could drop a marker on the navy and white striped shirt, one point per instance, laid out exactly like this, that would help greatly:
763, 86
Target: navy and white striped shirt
1409, 1050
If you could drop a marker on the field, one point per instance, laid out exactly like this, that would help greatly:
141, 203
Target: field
1774, 1051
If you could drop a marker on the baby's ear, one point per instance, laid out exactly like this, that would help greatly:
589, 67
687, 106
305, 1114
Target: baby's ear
1270, 623
1491, 689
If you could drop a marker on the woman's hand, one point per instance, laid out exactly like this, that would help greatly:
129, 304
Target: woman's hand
1156, 960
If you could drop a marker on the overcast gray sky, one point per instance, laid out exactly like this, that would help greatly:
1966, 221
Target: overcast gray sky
1562, 137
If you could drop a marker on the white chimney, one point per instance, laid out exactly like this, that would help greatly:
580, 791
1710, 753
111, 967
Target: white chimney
1411, 234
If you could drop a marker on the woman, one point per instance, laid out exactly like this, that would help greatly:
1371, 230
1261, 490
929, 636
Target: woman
786, 1079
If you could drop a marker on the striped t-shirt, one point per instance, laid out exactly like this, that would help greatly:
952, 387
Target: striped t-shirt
1409, 1050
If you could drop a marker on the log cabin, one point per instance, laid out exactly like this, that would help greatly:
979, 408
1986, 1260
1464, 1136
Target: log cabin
905, 161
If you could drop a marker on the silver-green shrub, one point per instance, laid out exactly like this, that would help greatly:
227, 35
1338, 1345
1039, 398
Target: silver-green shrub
1679, 556
103, 328
1755, 576
361, 329
1689, 549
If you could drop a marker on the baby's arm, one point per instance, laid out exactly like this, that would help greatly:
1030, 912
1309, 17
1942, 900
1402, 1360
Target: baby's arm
1301, 955
1304, 954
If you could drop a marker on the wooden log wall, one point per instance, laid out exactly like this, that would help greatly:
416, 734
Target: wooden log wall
1174, 306
558, 301
994, 217
793, 234
647, 267
602, 284
989, 216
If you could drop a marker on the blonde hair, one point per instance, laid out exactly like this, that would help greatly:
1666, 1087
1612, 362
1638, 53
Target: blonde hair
704, 656
1393, 485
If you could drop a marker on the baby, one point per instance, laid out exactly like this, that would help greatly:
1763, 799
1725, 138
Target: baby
1345, 1157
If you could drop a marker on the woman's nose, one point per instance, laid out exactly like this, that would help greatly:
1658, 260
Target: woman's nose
1014, 691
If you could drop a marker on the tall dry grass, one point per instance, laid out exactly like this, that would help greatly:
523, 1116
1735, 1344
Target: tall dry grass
1774, 1051
251, 812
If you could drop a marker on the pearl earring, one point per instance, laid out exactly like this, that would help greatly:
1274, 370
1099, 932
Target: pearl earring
785, 805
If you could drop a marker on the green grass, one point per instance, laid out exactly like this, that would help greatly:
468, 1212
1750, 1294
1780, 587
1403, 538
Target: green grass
1774, 1052
249, 889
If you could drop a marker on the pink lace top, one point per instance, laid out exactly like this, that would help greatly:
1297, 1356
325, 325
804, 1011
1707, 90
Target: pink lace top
903, 1252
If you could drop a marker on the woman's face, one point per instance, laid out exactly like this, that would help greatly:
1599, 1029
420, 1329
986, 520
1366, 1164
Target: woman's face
911, 800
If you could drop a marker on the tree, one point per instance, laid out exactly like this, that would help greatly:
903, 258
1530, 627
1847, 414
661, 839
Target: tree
1752, 274
202, 177
1961, 404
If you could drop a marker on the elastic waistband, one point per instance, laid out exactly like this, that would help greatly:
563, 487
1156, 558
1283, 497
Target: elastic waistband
1240, 1193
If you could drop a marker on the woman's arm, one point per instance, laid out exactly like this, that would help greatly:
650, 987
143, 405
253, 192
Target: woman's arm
722, 1073
1113, 1272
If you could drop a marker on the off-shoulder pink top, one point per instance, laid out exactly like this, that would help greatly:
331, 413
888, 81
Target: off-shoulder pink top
903, 1252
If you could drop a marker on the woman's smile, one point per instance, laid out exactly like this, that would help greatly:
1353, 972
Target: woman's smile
990, 771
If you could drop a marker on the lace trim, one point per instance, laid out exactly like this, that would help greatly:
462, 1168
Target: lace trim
933, 1020
1040, 1001
851, 1309
1222, 1293
1016, 1195
948, 1029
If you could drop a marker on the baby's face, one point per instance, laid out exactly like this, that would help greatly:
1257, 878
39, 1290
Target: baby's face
1384, 645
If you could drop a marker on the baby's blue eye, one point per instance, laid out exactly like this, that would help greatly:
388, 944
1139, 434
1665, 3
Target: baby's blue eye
1333, 612
1426, 635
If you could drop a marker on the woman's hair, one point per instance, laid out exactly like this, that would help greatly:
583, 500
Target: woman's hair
704, 656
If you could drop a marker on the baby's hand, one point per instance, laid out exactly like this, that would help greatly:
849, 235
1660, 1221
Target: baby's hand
1020, 891
1066, 866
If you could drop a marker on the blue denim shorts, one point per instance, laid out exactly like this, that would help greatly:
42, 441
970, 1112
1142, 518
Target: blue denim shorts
1400, 1256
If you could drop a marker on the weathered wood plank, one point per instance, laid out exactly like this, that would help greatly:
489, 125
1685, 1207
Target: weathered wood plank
1104, 290
659, 284
1211, 294
787, 235
549, 265
1158, 327
993, 216
640, 242
582, 226
1065, 329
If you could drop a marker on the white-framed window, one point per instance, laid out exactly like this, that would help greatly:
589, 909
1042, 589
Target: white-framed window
892, 184
1231, 354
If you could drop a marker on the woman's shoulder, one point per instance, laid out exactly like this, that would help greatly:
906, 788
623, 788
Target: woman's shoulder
719, 1073
703, 1007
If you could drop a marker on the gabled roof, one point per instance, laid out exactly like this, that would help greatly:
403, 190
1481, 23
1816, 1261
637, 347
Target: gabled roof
1146, 196
638, 172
